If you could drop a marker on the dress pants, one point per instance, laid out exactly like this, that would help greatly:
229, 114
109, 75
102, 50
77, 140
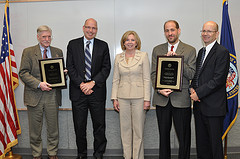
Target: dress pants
208, 135
80, 113
182, 123
47, 105
132, 118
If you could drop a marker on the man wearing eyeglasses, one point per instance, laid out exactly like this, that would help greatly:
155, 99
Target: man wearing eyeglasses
39, 97
174, 105
208, 90
88, 64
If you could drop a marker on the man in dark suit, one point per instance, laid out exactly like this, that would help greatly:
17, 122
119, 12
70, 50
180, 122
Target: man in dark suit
88, 64
39, 97
172, 104
208, 90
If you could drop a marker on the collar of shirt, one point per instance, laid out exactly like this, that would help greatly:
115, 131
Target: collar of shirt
175, 46
208, 48
49, 55
90, 45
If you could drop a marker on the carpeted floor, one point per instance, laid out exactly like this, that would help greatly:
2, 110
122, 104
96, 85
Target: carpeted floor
230, 156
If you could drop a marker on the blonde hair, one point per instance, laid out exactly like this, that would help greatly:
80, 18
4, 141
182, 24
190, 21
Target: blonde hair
125, 36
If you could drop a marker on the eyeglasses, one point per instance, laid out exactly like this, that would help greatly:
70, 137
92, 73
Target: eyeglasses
207, 31
88, 27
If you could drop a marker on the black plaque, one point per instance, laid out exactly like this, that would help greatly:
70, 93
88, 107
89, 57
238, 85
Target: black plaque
52, 72
169, 72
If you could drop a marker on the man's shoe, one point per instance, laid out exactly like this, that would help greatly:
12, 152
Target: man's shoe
53, 157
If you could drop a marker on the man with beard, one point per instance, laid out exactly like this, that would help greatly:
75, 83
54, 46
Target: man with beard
172, 104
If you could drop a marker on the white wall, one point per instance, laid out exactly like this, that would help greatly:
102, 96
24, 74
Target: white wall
114, 17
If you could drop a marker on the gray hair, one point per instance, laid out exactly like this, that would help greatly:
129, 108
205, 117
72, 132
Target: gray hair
43, 28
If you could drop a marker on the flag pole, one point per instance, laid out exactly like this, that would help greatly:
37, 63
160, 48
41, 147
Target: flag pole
10, 153
12, 156
225, 147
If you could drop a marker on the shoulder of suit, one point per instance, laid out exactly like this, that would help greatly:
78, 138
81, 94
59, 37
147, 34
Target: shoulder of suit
96, 40
120, 55
31, 49
186, 45
219, 46
77, 40
160, 46
55, 48
141, 53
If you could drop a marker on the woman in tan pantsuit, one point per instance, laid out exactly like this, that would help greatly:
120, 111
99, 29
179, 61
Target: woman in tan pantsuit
131, 93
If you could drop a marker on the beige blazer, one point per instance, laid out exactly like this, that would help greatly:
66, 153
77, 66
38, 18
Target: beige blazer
131, 80
30, 74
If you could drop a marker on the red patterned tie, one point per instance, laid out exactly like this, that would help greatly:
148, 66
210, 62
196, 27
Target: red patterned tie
45, 54
172, 48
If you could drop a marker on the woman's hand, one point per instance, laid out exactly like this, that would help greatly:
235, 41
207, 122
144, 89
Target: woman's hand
146, 105
116, 105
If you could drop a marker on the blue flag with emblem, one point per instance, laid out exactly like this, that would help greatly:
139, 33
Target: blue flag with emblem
232, 79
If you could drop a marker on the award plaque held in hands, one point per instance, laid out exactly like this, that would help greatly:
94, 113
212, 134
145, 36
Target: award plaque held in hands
52, 72
169, 72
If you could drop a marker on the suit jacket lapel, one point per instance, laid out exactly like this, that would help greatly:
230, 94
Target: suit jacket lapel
53, 53
81, 48
94, 54
134, 61
180, 48
94, 51
210, 54
37, 52
165, 48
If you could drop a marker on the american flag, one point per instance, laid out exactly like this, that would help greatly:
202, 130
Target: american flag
9, 121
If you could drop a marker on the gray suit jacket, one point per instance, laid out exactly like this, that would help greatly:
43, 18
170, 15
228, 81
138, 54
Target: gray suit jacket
178, 99
30, 74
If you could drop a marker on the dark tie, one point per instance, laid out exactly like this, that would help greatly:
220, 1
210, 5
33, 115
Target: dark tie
88, 62
45, 54
172, 48
199, 67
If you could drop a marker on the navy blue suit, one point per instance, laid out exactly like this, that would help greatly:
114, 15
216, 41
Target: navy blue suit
210, 111
95, 102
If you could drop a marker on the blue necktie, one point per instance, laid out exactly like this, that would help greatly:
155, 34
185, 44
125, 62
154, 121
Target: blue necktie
88, 61
199, 67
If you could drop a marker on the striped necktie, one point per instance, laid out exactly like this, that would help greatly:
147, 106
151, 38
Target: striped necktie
198, 69
88, 62
45, 54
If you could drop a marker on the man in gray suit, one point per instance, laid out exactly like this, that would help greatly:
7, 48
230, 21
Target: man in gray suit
39, 97
174, 104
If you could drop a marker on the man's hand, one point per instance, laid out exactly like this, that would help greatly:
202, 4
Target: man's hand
87, 87
192, 90
165, 92
171, 53
45, 86
65, 71
194, 95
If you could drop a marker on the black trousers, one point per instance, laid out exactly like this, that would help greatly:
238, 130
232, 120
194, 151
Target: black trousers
182, 123
80, 113
208, 135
